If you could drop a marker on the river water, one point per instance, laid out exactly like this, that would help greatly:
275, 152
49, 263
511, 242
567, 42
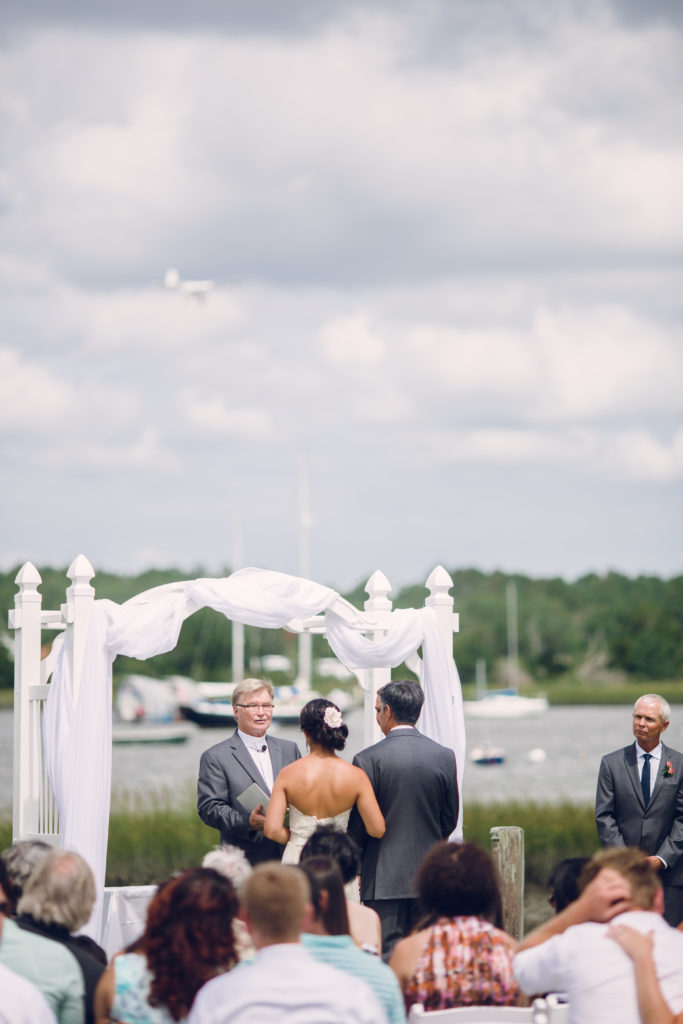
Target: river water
573, 738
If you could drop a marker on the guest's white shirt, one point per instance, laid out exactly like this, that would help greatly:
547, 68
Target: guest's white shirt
284, 984
22, 1002
597, 974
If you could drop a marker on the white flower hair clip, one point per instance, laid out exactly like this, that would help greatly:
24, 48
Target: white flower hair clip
333, 717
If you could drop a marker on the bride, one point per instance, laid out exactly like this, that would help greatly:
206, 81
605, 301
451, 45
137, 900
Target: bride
320, 788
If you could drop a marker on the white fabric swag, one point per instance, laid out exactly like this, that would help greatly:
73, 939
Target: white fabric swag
77, 735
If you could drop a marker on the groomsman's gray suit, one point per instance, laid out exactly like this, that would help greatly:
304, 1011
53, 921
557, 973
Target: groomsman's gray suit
225, 771
415, 782
623, 819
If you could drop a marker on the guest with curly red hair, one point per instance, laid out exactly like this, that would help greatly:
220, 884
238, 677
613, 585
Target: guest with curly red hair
188, 939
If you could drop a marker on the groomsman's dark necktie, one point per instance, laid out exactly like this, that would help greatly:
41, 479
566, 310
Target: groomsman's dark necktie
645, 778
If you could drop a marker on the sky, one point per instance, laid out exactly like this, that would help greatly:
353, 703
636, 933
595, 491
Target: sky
446, 238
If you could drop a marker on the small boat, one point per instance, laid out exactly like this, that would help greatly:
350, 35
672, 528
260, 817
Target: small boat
487, 755
146, 711
151, 732
506, 703
207, 712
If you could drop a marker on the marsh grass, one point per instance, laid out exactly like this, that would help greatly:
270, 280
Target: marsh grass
152, 836
551, 832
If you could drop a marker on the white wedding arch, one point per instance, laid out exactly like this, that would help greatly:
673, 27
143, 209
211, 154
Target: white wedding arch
63, 702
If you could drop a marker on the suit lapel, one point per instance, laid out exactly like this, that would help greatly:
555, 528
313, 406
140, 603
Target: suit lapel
631, 761
666, 756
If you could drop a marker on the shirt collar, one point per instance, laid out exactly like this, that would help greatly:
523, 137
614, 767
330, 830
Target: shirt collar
253, 742
656, 753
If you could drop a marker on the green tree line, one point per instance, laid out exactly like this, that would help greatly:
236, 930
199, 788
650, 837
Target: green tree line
597, 625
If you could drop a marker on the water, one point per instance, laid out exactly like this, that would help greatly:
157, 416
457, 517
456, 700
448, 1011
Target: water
574, 739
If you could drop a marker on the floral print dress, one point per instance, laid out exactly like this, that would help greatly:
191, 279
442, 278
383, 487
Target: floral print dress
465, 962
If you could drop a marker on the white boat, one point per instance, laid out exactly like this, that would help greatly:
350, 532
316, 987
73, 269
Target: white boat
146, 711
152, 732
505, 704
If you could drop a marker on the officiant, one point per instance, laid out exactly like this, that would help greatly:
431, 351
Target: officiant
229, 768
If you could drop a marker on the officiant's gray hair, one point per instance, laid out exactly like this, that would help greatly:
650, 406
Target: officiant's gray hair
249, 686
405, 698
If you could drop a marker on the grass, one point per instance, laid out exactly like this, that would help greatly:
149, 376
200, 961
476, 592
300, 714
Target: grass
151, 837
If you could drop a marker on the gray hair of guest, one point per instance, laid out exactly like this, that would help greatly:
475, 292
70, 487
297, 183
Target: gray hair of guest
60, 891
247, 687
230, 862
405, 698
20, 859
664, 707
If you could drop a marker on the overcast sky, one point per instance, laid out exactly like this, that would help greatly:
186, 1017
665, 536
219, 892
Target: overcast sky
447, 241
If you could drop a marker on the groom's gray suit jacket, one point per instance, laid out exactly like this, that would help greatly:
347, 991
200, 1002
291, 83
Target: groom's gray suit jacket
623, 819
225, 771
416, 784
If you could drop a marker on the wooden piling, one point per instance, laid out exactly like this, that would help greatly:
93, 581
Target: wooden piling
507, 851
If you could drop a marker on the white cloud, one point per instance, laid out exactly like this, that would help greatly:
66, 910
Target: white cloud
350, 341
32, 398
215, 416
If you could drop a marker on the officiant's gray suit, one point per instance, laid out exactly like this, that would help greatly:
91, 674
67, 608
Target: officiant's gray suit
415, 782
623, 819
225, 771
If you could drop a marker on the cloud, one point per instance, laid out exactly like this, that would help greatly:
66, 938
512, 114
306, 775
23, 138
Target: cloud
31, 397
215, 416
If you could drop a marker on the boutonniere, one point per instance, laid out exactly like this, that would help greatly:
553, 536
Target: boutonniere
667, 770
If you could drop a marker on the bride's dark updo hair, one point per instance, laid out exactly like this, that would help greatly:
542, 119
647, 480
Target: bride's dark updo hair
321, 720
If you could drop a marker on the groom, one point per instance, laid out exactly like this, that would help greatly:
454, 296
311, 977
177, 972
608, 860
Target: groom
416, 784
230, 767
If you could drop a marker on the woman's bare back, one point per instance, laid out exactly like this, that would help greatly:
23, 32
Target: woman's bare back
322, 787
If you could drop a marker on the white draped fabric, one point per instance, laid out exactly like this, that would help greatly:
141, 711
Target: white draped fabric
77, 735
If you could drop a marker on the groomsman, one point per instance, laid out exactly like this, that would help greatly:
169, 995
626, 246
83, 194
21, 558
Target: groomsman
416, 785
639, 801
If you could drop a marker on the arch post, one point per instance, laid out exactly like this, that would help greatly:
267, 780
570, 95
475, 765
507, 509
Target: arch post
26, 622
379, 606
80, 597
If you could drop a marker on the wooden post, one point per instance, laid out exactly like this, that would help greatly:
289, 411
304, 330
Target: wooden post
507, 850
379, 606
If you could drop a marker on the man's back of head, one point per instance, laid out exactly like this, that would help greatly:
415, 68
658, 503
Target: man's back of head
633, 864
61, 891
405, 698
276, 899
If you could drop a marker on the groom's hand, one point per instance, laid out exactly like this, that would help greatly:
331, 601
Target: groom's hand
257, 818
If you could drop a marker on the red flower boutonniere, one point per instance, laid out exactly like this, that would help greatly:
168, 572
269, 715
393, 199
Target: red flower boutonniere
667, 770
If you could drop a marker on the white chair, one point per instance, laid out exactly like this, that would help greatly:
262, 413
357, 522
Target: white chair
544, 1011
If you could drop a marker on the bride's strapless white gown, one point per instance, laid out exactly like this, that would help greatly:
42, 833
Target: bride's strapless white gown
301, 827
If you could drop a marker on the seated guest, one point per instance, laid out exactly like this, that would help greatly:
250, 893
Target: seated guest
231, 862
58, 898
564, 882
640, 948
188, 939
573, 953
51, 967
22, 1002
364, 922
283, 984
329, 941
456, 957
20, 859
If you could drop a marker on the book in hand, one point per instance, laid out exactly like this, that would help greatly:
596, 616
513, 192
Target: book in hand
253, 796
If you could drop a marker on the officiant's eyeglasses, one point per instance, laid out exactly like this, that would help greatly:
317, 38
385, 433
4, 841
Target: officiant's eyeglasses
256, 707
